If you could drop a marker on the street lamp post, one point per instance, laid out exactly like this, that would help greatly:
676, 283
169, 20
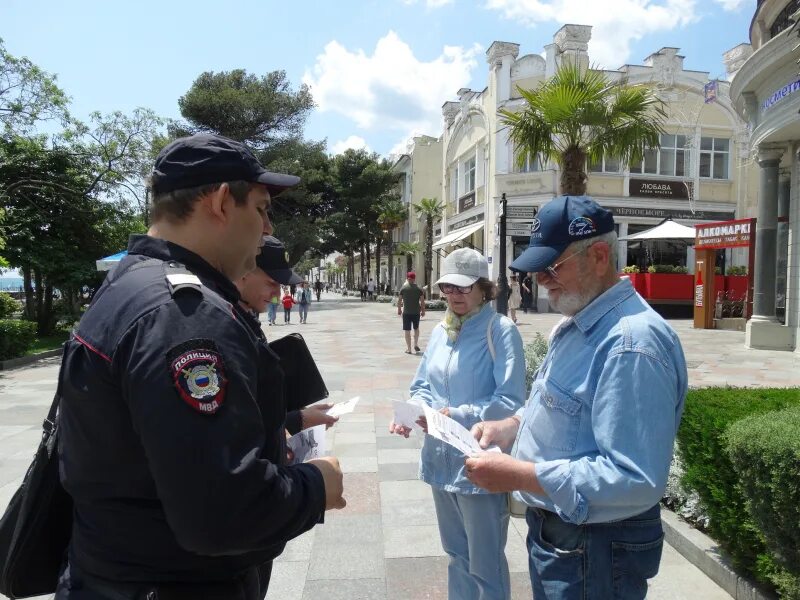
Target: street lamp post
502, 280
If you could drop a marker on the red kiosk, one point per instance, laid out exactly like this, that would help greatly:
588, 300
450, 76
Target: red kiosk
711, 237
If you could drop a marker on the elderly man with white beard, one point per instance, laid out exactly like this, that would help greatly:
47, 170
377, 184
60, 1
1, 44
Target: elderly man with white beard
590, 452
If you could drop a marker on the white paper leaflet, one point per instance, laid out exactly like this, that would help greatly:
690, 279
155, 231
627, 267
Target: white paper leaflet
406, 414
342, 408
307, 444
452, 432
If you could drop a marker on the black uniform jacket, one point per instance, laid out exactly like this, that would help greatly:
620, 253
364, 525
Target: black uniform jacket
172, 429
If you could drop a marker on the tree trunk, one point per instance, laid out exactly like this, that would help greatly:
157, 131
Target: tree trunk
41, 326
30, 309
409, 262
369, 261
378, 265
48, 318
573, 173
390, 276
429, 253
362, 274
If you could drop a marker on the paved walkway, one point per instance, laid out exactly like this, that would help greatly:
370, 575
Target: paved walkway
385, 544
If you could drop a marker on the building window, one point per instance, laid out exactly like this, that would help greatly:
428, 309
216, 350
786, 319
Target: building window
608, 164
671, 159
531, 164
469, 176
714, 153
783, 21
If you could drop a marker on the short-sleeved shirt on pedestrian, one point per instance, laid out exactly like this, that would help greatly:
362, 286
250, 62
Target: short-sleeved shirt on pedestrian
411, 294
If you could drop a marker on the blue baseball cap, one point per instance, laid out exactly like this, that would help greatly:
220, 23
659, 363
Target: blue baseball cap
560, 222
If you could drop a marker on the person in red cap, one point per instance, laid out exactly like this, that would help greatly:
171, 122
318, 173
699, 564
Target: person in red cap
411, 305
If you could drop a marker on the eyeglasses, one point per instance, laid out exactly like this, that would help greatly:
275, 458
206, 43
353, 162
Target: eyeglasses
552, 269
449, 288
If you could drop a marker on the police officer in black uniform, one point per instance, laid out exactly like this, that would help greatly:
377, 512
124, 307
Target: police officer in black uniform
172, 418
256, 289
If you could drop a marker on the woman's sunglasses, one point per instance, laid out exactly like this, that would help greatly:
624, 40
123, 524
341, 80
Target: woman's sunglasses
449, 288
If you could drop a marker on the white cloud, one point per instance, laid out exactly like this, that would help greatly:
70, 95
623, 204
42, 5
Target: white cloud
731, 5
430, 3
616, 23
391, 89
353, 141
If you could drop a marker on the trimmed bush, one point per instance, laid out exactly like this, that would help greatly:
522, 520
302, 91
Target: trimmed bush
435, 305
535, 352
8, 305
765, 452
16, 337
737, 270
630, 269
702, 444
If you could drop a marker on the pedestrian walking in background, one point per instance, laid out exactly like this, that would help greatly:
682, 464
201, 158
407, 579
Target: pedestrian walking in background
593, 446
287, 302
527, 292
411, 305
272, 308
371, 289
473, 369
303, 297
514, 297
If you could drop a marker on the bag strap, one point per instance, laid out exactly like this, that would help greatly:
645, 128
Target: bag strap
489, 339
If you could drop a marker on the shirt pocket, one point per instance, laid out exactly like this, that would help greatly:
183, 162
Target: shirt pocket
556, 419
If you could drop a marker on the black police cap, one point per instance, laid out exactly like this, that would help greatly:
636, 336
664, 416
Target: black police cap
204, 158
274, 261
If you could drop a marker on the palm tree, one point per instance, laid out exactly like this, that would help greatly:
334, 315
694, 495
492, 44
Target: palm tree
393, 213
409, 249
579, 114
432, 210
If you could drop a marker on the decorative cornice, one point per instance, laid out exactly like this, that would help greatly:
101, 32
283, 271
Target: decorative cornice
498, 50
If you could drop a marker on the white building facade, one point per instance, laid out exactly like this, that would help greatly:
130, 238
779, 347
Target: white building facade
766, 93
700, 174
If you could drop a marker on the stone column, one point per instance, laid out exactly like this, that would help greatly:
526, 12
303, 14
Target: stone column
766, 236
782, 244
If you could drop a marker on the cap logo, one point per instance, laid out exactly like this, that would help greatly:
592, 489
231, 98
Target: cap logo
462, 265
535, 225
286, 256
581, 227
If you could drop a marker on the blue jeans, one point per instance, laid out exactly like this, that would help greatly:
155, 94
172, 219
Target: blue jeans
303, 311
272, 312
600, 561
473, 529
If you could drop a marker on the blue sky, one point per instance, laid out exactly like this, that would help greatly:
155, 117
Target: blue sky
379, 69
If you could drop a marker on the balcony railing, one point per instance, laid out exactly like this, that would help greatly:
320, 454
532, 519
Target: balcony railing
782, 21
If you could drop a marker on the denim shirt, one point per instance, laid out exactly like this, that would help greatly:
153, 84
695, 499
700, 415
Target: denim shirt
604, 409
462, 375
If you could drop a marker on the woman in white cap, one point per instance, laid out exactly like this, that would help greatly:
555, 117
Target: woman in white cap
473, 370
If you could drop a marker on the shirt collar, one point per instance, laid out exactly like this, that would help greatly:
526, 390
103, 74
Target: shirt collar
164, 250
600, 306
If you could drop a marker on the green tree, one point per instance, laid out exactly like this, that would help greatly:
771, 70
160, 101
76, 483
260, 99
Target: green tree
55, 231
259, 111
432, 210
27, 94
409, 250
578, 114
392, 213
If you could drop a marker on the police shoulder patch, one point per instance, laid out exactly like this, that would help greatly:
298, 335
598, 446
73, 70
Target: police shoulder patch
198, 373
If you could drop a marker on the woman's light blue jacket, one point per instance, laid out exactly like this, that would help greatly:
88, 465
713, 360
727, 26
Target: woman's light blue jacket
462, 376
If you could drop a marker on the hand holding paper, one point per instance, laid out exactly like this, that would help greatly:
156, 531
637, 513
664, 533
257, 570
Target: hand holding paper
307, 444
342, 408
453, 433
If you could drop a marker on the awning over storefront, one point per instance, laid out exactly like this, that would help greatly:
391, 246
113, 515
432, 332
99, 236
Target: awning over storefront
458, 234
107, 263
667, 230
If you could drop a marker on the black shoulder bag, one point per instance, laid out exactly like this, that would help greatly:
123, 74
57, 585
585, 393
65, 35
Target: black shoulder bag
37, 524
303, 384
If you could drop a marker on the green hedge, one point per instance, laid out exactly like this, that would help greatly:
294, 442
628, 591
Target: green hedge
8, 305
702, 445
765, 452
16, 337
